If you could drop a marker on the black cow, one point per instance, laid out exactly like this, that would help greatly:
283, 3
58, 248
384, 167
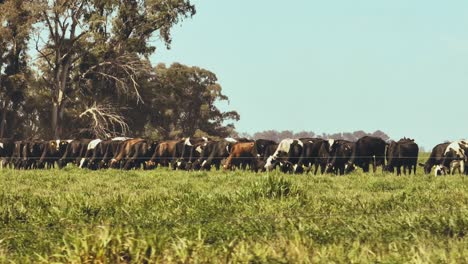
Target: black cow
265, 148
340, 154
7, 147
212, 154
403, 153
53, 151
436, 157
31, 153
315, 151
368, 150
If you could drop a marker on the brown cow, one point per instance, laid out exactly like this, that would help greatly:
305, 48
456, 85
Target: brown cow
242, 154
165, 154
124, 152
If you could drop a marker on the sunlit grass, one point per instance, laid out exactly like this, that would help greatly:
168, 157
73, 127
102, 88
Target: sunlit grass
112, 216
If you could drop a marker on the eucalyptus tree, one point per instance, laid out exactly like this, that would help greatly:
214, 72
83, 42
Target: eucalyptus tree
94, 51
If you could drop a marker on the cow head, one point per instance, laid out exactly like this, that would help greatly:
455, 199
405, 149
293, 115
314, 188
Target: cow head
440, 170
349, 167
427, 167
329, 168
270, 163
149, 165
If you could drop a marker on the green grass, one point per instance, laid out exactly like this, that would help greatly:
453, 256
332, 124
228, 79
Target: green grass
76, 216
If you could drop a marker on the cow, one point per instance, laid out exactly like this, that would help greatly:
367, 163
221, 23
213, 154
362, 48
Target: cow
165, 154
7, 147
368, 150
315, 152
265, 148
195, 154
31, 153
127, 155
187, 146
138, 154
241, 155
16, 157
436, 157
403, 153
89, 152
104, 151
53, 151
340, 153
287, 154
455, 158
212, 154
74, 152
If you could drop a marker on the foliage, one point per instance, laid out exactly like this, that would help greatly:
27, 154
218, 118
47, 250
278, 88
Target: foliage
93, 55
168, 216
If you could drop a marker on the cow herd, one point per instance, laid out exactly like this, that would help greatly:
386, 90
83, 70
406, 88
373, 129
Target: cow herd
304, 155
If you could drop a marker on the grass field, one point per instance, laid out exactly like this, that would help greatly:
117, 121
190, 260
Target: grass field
77, 216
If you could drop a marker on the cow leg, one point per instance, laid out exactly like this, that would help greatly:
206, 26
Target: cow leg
322, 168
365, 167
398, 169
316, 168
342, 169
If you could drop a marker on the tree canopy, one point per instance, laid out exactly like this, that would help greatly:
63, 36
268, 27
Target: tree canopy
72, 68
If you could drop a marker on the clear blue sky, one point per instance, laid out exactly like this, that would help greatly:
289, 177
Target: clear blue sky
333, 66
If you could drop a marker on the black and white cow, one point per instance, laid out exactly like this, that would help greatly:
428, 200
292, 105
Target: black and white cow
188, 146
74, 152
287, 155
455, 158
368, 150
436, 158
89, 152
403, 153
213, 153
103, 152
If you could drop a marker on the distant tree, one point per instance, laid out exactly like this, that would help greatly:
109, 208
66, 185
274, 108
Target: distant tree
354, 136
268, 134
304, 134
381, 134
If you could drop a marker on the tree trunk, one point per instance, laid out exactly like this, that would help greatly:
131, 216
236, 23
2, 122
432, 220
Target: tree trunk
54, 118
3, 123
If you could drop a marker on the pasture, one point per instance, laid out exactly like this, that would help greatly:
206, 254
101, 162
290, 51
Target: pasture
113, 216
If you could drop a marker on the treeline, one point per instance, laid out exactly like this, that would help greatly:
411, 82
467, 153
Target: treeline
80, 68
280, 135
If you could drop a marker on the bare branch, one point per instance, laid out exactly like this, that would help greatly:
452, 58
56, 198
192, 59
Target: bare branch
105, 121
124, 71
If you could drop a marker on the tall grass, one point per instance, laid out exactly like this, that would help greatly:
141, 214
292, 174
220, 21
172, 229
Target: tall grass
77, 216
